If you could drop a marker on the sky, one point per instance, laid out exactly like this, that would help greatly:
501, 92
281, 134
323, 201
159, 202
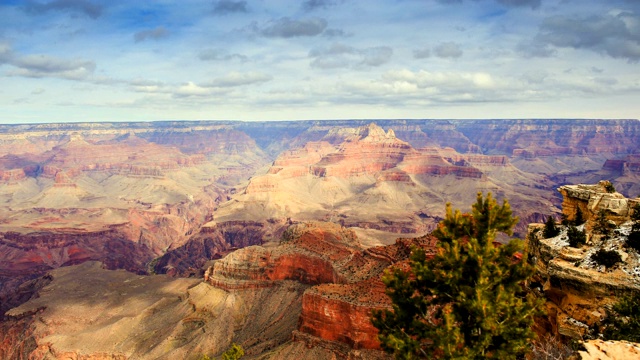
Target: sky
122, 60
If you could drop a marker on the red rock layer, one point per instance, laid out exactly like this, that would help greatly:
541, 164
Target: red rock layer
346, 278
13, 175
342, 313
368, 150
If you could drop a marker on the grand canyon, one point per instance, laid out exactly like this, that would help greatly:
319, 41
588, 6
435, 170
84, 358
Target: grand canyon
167, 240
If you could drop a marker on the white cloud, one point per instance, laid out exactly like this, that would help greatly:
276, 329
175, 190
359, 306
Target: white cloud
345, 56
234, 79
448, 50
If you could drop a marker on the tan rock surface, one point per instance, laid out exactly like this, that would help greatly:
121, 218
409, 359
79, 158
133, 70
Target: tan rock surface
609, 350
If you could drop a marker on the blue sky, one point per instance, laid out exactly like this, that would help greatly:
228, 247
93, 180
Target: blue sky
120, 60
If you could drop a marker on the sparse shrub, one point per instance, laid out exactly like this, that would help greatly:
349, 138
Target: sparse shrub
608, 258
550, 348
291, 233
602, 226
550, 228
564, 220
608, 186
576, 237
633, 240
635, 215
622, 321
579, 218
235, 352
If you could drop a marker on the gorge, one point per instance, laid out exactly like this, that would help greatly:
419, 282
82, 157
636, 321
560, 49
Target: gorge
300, 218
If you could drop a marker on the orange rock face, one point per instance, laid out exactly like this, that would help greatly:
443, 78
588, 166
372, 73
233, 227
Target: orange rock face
342, 313
346, 278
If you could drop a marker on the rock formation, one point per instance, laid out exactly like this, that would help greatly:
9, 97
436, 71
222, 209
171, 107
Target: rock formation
367, 178
188, 193
309, 297
576, 287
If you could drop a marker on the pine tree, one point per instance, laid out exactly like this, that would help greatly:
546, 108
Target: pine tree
576, 237
602, 225
550, 229
468, 301
622, 321
579, 218
633, 239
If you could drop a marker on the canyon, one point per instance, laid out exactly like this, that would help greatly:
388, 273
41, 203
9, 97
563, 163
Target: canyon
300, 218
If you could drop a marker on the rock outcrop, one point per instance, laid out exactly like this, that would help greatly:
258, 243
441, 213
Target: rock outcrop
592, 199
344, 279
577, 288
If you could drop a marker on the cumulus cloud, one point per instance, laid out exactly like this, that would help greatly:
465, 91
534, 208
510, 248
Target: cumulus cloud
287, 28
376, 56
421, 53
38, 66
148, 86
426, 79
191, 89
88, 8
220, 55
234, 79
151, 34
224, 7
616, 35
346, 56
448, 50
331, 33
535, 48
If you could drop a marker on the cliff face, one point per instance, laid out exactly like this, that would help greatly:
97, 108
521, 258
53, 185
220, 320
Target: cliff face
576, 287
344, 279
551, 137
309, 297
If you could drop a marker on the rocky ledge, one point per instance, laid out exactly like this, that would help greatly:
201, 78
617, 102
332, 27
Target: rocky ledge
577, 288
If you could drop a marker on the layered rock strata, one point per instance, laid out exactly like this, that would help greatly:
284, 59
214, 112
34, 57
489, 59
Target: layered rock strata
344, 279
309, 297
